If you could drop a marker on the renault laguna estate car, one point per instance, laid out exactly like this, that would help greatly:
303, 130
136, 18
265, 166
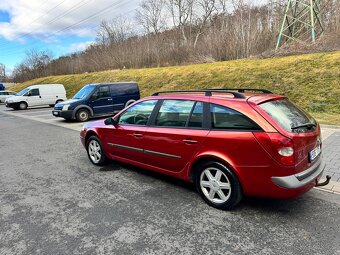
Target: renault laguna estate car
230, 143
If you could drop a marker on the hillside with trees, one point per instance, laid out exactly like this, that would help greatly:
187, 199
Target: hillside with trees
180, 32
310, 80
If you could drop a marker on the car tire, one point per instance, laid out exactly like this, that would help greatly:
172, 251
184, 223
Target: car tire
218, 185
95, 151
82, 115
23, 106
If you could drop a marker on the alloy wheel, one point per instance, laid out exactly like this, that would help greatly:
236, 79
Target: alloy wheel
95, 151
215, 185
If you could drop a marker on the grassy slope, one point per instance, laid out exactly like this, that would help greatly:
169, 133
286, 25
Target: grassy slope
312, 81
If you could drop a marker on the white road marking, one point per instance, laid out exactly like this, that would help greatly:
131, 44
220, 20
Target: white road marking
27, 114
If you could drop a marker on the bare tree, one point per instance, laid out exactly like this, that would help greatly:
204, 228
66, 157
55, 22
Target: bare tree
150, 15
202, 30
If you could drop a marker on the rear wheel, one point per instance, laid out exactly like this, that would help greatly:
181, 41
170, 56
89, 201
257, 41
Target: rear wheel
82, 115
23, 106
95, 151
218, 185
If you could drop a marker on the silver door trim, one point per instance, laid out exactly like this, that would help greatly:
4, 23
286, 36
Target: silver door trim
161, 154
127, 147
144, 151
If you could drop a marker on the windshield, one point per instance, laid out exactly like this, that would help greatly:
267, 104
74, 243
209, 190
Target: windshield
84, 92
289, 116
20, 93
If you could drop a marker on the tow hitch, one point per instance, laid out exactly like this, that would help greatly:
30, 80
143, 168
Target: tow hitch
328, 178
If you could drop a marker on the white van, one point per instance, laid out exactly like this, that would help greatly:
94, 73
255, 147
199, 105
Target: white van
37, 95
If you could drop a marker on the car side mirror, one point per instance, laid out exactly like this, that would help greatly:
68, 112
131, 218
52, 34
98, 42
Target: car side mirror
111, 121
94, 97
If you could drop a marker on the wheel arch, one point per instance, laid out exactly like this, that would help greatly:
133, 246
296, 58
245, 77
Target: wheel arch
82, 106
89, 134
216, 158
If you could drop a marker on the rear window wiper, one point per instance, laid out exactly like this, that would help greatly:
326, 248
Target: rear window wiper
307, 125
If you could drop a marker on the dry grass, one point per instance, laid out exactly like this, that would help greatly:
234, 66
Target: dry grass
311, 81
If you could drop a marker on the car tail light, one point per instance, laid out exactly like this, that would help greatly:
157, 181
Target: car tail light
279, 146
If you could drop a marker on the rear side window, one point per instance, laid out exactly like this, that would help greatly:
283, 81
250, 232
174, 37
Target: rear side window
226, 118
174, 113
287, 115
124, 89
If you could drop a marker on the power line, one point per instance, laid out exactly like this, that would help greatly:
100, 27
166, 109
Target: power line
73, 8
53, 8
102, 11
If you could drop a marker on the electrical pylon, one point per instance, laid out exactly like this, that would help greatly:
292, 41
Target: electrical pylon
302, 22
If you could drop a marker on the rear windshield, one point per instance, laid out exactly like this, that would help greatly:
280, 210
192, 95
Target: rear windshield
289, 116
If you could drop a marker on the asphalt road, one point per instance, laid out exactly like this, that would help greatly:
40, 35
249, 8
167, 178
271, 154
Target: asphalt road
54, 201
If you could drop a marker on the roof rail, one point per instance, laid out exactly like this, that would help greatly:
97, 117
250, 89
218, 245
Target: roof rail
208, 92
243, 90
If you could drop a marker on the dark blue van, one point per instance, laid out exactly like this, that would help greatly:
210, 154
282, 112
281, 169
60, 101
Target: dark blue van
95, 100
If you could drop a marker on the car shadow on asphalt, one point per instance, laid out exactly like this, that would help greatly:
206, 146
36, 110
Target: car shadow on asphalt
248, 203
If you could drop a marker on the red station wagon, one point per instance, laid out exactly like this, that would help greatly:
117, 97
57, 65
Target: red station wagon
229, 142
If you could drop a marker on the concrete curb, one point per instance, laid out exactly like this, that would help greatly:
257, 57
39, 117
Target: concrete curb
329, 126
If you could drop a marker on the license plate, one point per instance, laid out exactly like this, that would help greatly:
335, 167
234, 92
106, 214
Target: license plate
313, 154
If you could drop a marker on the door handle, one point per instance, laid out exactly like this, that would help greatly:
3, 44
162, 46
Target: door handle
137, 135
189, 141
109, 99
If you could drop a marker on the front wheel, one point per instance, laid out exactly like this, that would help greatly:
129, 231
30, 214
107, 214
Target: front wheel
95, 151
23, 106
218, 185
83, 115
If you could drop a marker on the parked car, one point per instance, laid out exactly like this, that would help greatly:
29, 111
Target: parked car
2, 86
95, 100
5, 94
229, 143
37, 95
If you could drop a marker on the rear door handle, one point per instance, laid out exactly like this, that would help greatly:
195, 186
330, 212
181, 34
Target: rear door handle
189, 141
137, 135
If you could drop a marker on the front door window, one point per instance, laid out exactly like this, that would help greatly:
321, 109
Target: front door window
138, 114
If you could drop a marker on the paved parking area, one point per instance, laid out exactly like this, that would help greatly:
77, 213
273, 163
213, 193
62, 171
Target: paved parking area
42, 115
54, 201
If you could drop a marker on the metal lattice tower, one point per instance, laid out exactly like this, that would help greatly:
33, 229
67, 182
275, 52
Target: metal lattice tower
302, 22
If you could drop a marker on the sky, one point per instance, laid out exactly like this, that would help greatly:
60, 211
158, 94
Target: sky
59, 26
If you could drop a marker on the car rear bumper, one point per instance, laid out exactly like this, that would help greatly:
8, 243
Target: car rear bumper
302, 179
63, 114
